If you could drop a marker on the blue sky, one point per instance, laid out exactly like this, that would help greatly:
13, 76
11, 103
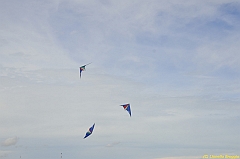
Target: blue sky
176, 62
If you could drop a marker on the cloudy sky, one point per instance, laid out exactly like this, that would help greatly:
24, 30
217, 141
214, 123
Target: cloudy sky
176, 62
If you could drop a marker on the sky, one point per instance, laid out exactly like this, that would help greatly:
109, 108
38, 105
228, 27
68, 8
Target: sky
176, 62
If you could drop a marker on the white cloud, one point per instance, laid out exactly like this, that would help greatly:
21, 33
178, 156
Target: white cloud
4, 154
112, 144
29, 41
10, 141
219, 55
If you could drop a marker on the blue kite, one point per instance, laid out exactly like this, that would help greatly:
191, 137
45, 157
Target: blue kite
82, 68
89, 131
127, 108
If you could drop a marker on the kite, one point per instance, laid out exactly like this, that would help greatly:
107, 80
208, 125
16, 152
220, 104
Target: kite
127, 108
89, 131
82, 68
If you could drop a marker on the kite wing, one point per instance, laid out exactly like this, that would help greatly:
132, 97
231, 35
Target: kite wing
82, 68
89, 131
127, 108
